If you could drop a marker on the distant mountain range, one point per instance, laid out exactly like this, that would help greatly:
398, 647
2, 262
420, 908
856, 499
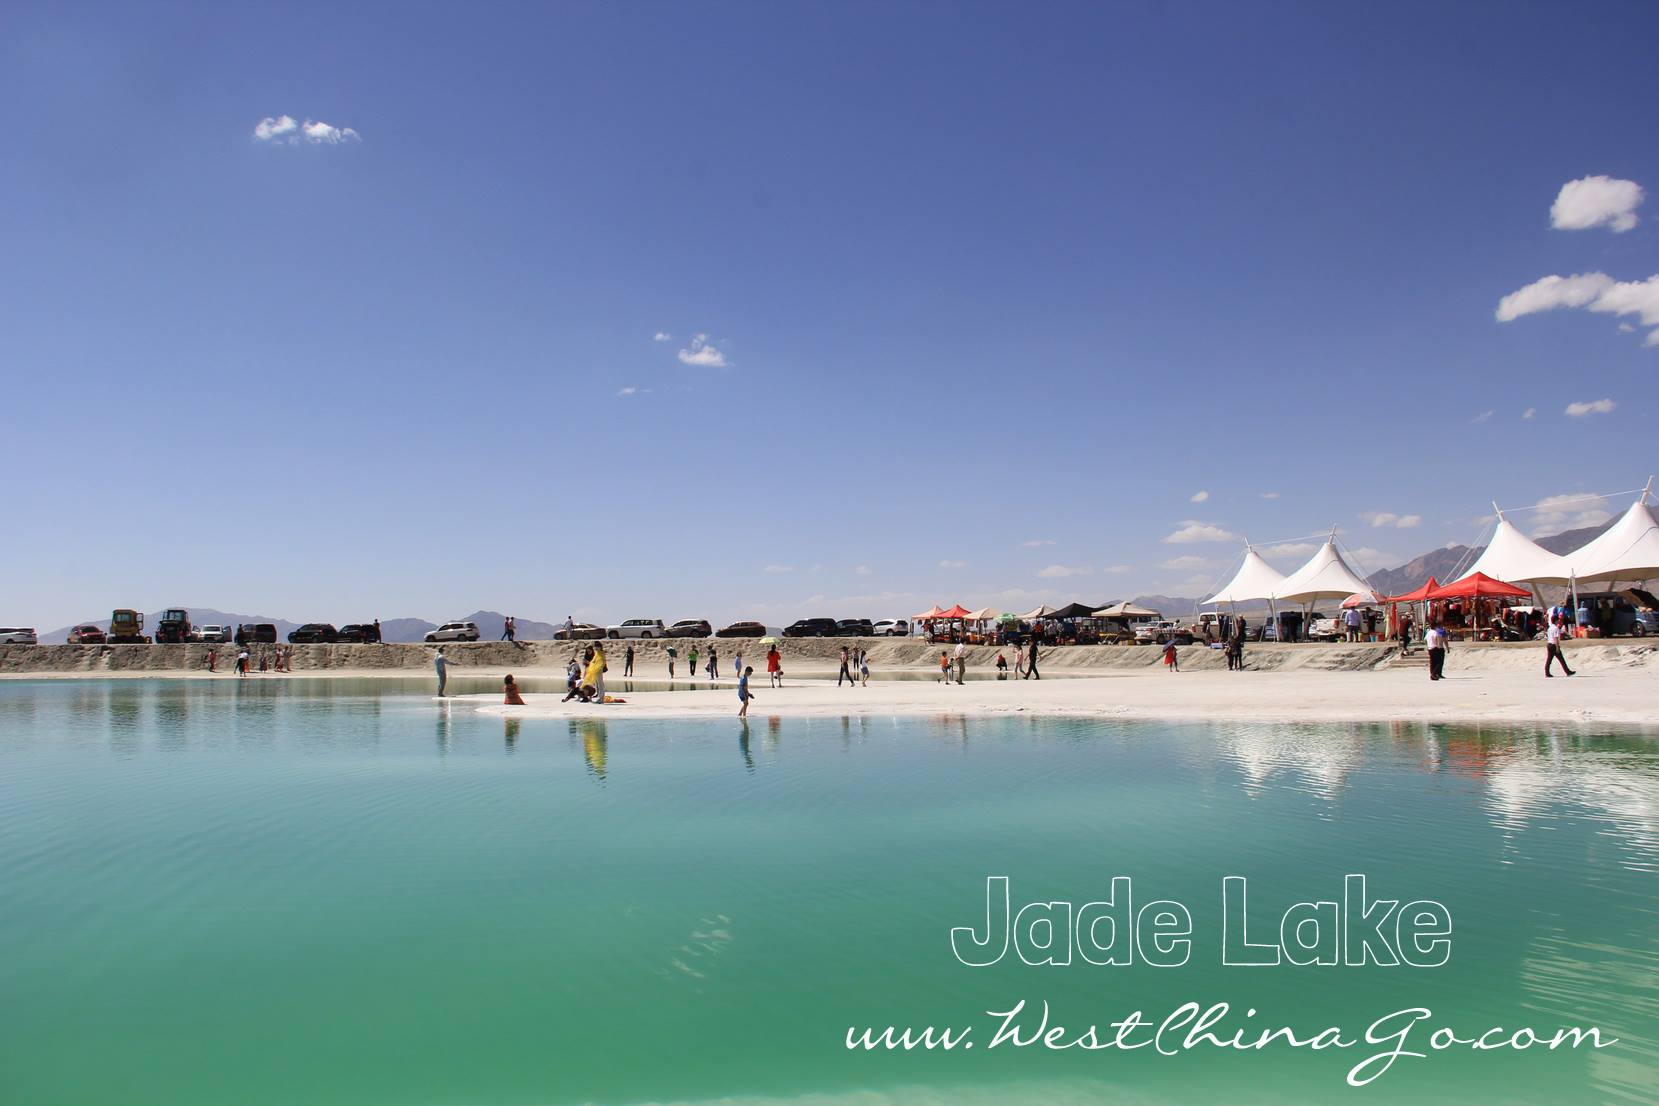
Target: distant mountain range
1443, 564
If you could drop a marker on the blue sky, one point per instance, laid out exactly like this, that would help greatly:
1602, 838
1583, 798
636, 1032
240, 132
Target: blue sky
989, 292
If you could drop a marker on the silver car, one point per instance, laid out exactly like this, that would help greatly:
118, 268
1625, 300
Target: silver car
454, 631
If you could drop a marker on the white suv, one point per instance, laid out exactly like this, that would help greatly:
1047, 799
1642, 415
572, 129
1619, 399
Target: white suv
636, 627
454, 631
892, 627
213, 634
17, 635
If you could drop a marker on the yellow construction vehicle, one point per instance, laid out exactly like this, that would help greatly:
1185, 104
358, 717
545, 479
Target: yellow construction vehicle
126, 627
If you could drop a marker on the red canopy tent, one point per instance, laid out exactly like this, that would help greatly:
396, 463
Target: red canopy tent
1478, 585
958, 611
1418, 596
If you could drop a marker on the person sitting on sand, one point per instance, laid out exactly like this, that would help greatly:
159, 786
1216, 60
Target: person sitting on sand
510, 689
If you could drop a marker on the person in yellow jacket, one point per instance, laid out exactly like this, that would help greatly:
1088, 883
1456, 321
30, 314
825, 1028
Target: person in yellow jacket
595, 676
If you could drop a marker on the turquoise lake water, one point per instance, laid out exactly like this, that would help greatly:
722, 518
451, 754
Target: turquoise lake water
325, 892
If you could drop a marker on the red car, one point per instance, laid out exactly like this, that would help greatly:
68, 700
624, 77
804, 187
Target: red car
86, 635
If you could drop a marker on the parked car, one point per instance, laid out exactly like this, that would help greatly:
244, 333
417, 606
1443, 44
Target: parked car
637, 627
1627, 611
464, 631
18, 635
173, 627
212, 634
811, 627
854, 627
314, 633
1327, 629
359, 633
582, 631
1161, 631
87, 635
742, 629
690, 627
256, 633
891, 627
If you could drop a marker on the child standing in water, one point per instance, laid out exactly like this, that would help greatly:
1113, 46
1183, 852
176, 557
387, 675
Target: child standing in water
743, 695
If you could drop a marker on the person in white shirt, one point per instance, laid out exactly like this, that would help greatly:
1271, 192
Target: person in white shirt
1436, 640
1552, 648
961, 661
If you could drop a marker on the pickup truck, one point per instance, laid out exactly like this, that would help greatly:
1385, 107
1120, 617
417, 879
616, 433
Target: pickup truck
1161, 632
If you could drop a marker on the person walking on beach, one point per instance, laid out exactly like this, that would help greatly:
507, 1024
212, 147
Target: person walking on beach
507, 628
846, 672
1405, 635
1436, 640
672, 653
743, 693
628, 662
441, 664
242, 662
863, 667
691, 667
961, 662
944, 667
1031, 672
1552, 648
1019, 660
596, 673
1170, 660
210, 661
774, 666
737, 662
714, 663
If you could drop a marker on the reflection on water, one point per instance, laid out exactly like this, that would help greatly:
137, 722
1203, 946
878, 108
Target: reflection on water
325, 861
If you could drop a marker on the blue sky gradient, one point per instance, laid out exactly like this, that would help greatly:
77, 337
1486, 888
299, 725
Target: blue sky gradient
981, 276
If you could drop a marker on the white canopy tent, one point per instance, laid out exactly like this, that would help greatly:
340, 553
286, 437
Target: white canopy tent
1629, 550
1255, 580
1514, 558
1327, 575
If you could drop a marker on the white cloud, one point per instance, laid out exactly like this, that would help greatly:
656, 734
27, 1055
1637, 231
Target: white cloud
1056, 572
1389, 518
1529, 412
1596, 292
662, 336
702, 354
1595, 202
269, 128
1199, 496
1626, 328
1567, 512
1033, 543
862, 570
777, 569
1118, 570
284, 129
1593, 407
1184, 563
628, 391
953, 564
1192, 531
1270, 495
1295, 550
1484, 416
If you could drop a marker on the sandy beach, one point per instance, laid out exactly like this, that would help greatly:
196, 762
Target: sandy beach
1618, 681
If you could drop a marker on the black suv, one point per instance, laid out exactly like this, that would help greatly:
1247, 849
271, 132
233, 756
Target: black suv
811, 627
314, 633
359, 633
855, 627
256, 633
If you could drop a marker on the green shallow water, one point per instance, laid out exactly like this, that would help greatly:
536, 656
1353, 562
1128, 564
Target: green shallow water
342, 892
